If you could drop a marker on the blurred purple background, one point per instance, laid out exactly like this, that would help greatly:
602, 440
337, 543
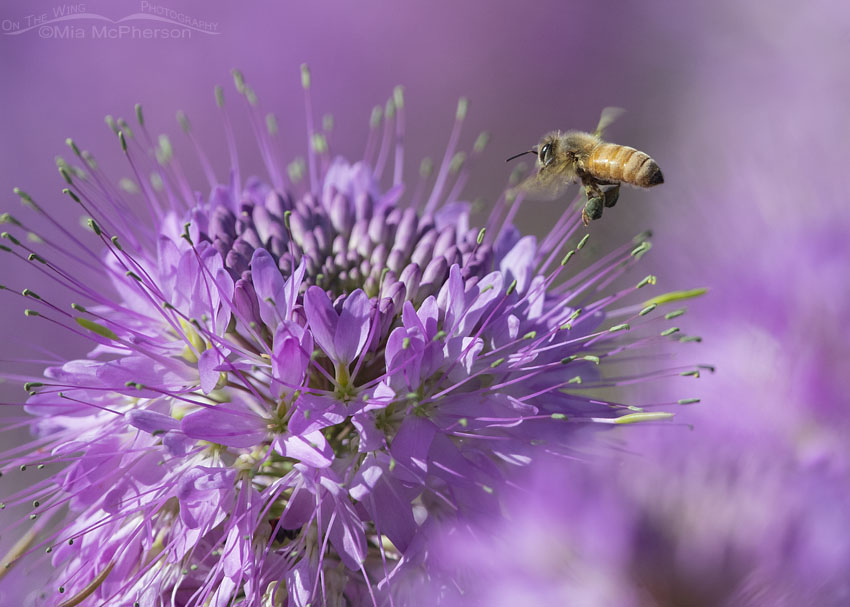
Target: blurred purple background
743, 104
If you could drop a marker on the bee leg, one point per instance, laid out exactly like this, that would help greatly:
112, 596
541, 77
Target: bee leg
593, 207
592, 210
610, 195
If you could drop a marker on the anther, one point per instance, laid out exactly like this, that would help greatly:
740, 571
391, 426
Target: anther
70, 143
457, 162
305, 76
641, 249
647, 309
649, 280
7, 218
26, 199
426, 167
271, 124
110, 122
90, 161
319, 143
96, 328
687, 401
481, 142
462, 107
183, 121
398, 96
164, 153
10, 238
125, 127
73, 196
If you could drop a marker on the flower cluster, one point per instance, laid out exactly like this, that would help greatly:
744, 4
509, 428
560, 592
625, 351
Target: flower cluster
712, 526
294, 380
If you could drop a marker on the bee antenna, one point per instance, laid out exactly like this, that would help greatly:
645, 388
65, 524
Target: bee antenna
521, 154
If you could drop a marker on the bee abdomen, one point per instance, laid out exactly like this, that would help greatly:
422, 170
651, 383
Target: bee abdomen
613, 162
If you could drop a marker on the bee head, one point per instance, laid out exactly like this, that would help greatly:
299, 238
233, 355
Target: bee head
546, 149
545, 154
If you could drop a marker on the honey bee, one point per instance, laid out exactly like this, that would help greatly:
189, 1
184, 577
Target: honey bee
564, 158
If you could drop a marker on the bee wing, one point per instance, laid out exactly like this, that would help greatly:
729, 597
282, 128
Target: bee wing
548, 184
608, 116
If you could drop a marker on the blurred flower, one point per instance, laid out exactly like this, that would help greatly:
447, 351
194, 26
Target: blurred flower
693, 521
779, 300
294, 380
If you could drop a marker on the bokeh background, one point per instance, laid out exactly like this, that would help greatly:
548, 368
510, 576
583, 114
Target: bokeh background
742, 103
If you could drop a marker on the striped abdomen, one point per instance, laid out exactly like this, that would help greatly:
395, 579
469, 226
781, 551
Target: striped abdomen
612, 162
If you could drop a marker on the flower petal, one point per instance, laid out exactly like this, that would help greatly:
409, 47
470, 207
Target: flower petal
232, 424
207, 363
314, 412
353, 326
311, 449
322, 319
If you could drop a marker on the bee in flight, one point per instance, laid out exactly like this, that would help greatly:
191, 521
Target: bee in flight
564, 158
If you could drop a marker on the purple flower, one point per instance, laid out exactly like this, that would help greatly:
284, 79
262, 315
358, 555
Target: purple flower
294, 380
693, 520
780, 301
